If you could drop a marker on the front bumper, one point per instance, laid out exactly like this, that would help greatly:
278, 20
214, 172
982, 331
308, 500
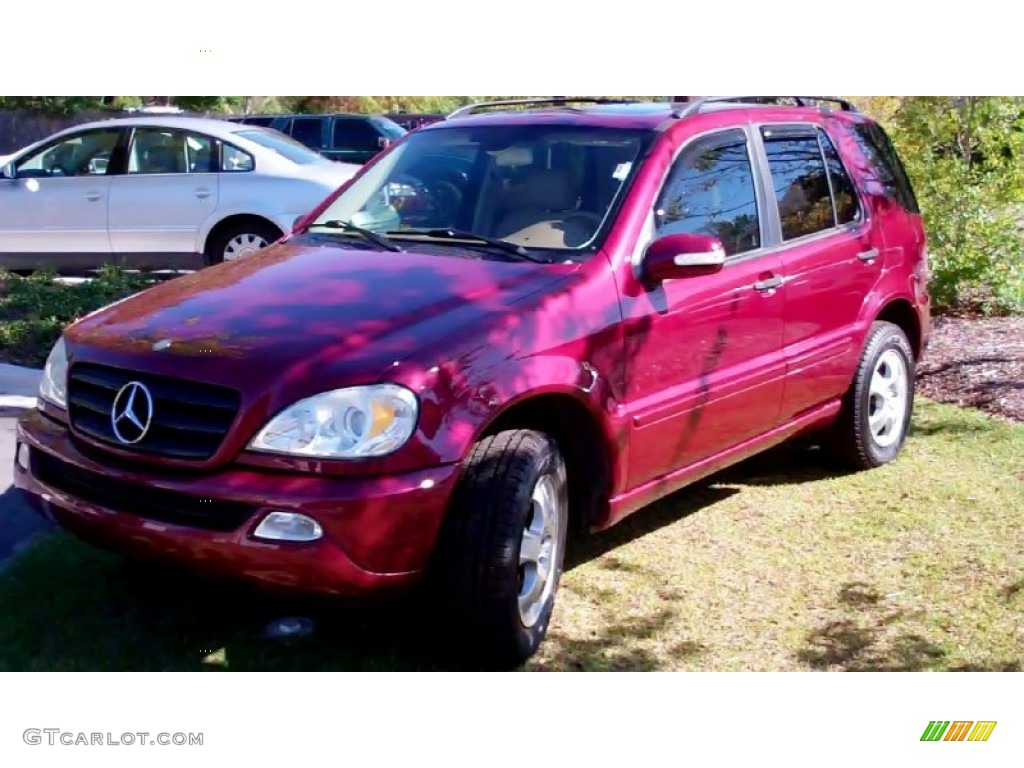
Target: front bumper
378, 532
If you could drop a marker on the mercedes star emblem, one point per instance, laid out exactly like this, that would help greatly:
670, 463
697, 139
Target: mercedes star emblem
132, 412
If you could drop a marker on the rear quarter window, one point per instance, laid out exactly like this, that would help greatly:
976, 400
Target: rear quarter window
885, 166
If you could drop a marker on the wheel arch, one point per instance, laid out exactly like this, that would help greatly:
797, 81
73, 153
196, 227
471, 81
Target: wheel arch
582, 439
230, 221
900, 312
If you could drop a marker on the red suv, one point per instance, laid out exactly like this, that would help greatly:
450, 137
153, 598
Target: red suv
523, 319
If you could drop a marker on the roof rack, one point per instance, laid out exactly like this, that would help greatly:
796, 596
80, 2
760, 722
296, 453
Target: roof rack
696, 106
472, 109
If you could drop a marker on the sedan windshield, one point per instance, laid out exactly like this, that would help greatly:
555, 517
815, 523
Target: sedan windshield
547, 187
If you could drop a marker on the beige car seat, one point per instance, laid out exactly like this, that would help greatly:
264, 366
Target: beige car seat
543, 214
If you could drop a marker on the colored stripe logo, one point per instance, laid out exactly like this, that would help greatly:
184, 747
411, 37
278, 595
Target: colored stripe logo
958, 730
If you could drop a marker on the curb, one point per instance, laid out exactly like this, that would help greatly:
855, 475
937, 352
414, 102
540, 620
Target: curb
18, 388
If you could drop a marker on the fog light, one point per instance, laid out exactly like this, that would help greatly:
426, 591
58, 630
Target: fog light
288, 526
23, 457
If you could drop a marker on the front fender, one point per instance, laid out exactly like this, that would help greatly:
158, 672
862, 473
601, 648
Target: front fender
457, 412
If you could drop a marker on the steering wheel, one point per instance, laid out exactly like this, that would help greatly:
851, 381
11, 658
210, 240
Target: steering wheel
436, 202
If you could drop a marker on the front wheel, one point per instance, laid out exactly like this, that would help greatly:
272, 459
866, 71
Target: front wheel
500, 556
876, 413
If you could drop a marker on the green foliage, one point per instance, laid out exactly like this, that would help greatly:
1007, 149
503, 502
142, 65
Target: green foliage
52, 105
208, 103
965, 157
35, 310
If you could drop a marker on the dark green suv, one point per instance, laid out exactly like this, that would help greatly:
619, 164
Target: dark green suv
346, 138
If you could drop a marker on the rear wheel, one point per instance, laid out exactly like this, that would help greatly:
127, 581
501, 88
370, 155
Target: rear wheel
499, 560
876, 412
239, 240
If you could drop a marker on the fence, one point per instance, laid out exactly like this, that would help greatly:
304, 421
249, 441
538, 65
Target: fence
19, 129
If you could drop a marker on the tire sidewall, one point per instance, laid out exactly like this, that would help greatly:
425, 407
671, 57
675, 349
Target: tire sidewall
549, 462
215, 251
889, 337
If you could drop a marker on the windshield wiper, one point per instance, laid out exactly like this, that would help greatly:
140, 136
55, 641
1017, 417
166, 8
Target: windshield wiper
368, 234
462, 234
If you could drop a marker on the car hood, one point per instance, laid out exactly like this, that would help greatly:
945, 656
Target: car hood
305, 315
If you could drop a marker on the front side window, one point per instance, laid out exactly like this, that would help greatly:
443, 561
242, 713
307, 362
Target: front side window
710, 191
546, 187
800, 182
83, 154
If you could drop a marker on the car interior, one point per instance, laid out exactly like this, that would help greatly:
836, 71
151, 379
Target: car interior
549, 192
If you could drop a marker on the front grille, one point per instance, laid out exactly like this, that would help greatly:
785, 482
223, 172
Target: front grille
190, 419
139, 500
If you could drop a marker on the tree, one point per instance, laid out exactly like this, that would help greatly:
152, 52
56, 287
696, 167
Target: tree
53, 105
965, 157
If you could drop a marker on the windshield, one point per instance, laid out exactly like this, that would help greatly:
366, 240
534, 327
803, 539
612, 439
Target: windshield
283, 145
547, 187
391, 129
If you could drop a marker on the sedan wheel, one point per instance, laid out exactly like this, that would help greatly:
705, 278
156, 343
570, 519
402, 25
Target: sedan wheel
243, 245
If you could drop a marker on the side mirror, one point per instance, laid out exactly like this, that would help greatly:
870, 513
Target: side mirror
383, 142
8, 171
682, 255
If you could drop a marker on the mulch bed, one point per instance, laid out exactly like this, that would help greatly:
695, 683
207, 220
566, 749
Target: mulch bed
977, 363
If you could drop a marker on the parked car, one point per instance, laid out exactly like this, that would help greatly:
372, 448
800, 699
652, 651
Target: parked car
445, 368
346, 138
155, 192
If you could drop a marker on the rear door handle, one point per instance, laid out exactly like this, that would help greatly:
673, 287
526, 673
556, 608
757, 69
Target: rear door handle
768, 285
868, 256
92, 197
202, 194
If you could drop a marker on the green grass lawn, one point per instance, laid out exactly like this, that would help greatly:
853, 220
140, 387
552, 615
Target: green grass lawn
779, 564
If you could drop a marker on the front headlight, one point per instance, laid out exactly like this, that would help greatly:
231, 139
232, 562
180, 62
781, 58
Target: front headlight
353, 423
53, 386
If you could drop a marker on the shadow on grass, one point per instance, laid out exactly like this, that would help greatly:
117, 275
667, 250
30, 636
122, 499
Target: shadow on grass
867, 639
69, 606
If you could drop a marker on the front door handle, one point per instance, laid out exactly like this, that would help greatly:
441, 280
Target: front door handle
769, 285
869, 255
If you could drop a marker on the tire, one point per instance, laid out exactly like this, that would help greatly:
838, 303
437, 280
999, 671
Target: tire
482, 571
865, 437
250, 232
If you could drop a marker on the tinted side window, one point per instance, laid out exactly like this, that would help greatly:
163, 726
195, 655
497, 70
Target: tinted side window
355, 134
307, 130
710, 191
844, 193
800, 183
876, 146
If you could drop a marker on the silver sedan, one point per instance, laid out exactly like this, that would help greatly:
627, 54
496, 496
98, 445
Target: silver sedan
156, 193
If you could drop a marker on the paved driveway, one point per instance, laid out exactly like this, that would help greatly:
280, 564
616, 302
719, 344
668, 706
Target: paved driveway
17, 522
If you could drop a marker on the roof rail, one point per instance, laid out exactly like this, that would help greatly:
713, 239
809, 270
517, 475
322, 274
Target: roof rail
472, 109
695, 107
